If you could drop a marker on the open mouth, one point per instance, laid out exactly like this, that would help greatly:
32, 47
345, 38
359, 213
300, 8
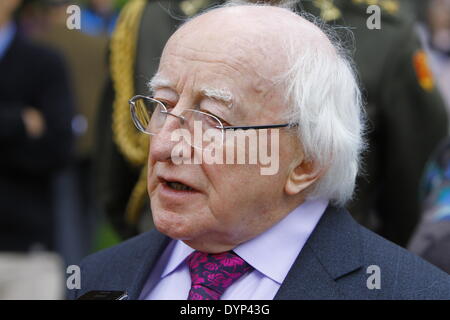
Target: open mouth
175, 185
178, 186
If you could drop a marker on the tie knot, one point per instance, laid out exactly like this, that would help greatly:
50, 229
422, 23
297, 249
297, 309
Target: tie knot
211, 274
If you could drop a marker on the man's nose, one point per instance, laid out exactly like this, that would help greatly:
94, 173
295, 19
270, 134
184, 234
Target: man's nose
162, 144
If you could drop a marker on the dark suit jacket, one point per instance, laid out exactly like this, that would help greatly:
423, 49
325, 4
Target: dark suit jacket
31, 75
332, 265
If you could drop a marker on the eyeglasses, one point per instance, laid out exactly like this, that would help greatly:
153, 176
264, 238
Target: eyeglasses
149, 116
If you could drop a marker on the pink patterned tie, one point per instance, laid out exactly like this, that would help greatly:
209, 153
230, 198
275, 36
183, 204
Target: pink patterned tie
212, 274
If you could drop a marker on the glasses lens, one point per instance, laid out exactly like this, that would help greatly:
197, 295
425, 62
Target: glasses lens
148, 113
206, 130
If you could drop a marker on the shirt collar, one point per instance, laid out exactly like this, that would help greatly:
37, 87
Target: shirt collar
6, 35
282, 243
180, 252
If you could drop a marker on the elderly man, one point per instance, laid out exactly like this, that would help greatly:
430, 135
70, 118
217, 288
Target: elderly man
229, 229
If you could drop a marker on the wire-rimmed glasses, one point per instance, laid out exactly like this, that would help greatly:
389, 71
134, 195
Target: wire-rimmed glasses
149, 115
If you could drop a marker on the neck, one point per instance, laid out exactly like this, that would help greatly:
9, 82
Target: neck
217, 243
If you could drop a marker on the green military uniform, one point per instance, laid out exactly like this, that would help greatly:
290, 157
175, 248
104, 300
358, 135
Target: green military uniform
406, 115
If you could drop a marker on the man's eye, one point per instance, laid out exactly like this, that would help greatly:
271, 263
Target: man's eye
169, 105
224, 123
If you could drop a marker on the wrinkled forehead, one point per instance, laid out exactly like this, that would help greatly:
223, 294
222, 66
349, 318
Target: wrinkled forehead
245, 51
224, 41
254, 39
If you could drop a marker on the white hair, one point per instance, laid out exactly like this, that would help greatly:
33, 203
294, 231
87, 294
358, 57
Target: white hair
325, 103
322, 90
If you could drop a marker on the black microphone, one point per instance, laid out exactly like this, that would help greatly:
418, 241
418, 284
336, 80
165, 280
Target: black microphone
104, 295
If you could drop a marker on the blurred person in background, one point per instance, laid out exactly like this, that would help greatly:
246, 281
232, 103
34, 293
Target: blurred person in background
432, 238
98, 17
86, 57
434, 31
35, 143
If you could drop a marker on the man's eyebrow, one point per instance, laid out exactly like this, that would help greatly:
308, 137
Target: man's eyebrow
219, 94
159, 82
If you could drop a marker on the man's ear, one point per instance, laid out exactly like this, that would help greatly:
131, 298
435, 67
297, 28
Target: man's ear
303, 174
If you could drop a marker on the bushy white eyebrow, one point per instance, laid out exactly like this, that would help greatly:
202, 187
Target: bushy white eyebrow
159, 82
219, 94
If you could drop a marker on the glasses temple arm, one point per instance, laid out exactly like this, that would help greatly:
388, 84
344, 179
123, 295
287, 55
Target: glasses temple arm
270, 126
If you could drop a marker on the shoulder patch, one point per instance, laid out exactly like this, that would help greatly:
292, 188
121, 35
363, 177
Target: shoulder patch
423, 71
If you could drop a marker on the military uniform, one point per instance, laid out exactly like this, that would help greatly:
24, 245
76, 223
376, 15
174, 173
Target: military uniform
406, 115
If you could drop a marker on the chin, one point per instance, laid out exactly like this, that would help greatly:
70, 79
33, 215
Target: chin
172, 225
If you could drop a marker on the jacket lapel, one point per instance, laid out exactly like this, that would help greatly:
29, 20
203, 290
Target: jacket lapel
150, 253
333, 251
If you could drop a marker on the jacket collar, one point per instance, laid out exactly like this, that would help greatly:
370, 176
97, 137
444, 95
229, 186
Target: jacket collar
155, 244
333, 250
